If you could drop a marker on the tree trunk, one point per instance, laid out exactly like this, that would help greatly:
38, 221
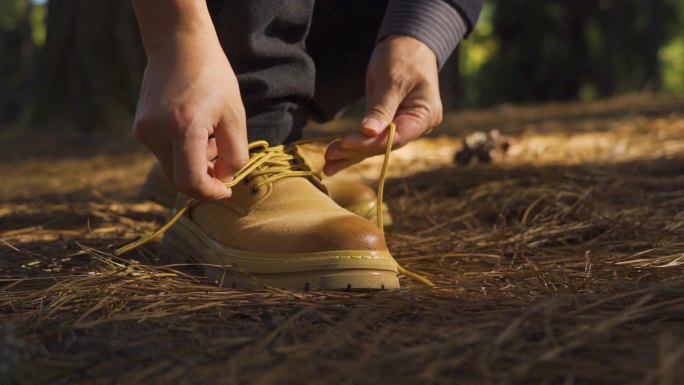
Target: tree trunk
17, 54
577, 13
610, 20
91, 66
654, 40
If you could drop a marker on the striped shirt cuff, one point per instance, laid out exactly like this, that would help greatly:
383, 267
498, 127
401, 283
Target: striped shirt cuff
433, 22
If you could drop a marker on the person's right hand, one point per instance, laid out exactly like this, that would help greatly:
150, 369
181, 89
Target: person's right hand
190, 113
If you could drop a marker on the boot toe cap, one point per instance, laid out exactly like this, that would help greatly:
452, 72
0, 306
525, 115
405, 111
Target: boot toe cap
349, 233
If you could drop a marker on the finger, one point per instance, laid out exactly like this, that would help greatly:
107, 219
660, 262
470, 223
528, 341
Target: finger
335, 166
212, 152
381, 107
364, 144
160, 148
338, 158
409, 128
231, 146
378, 145
190, 173
210, 169
336, 152
411, 124
164, 155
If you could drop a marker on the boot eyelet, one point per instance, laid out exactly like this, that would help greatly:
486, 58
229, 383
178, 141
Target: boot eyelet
245, 180
255, 190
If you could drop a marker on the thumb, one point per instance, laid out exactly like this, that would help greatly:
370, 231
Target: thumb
231, 146
380, 111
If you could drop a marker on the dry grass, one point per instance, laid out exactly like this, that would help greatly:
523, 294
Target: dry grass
562, 265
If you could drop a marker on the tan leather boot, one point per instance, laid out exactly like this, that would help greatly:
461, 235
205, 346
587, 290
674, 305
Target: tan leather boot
157, 189
281, 228
354, 196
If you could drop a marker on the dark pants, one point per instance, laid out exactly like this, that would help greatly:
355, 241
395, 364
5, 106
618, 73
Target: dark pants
296, 60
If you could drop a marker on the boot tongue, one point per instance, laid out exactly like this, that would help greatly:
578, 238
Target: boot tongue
271, 164
313, 156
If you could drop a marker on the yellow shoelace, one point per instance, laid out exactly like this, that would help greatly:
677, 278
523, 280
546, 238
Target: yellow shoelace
275, 163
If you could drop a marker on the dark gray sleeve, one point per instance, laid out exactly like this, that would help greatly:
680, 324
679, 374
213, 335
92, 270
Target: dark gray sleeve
440, 24
469, 9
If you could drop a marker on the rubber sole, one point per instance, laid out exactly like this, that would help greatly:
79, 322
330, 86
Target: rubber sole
183, 243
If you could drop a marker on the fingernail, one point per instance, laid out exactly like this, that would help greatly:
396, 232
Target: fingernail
373, 125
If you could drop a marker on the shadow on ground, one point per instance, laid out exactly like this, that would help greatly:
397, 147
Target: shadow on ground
547, 273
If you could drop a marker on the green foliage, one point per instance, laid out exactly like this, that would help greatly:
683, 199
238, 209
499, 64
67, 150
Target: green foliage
476, 51
521, 51
15, 52
672, 62
12, 12
671, 55
37, 18
531, 51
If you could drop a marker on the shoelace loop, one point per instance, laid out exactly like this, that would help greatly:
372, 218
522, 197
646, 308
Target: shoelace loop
273, 163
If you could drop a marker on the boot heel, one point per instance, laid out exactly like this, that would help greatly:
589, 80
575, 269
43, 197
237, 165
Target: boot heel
174, 250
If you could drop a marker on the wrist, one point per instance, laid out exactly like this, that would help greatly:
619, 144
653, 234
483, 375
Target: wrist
168, 23
183, 46
407, 42
403, 47
434, 22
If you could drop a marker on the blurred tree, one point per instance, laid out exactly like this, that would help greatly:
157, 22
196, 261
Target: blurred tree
17, 51
567, 49
609, 16
81, 67
671, 55
91, 65
655, 36
451, 83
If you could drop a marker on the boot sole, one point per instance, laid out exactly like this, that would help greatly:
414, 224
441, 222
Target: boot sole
357, 270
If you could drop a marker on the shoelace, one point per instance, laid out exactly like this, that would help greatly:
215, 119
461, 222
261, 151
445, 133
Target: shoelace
275, 163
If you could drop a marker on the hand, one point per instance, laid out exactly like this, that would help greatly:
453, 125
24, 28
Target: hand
190, 113
401, 86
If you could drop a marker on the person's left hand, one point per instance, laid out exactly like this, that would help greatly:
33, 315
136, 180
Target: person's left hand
401, 87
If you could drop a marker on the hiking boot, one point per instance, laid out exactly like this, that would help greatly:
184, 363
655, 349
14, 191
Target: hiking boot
280, 228
157, 189
354, 196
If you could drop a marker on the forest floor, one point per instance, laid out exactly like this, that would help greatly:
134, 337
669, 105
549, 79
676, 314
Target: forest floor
562, 263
